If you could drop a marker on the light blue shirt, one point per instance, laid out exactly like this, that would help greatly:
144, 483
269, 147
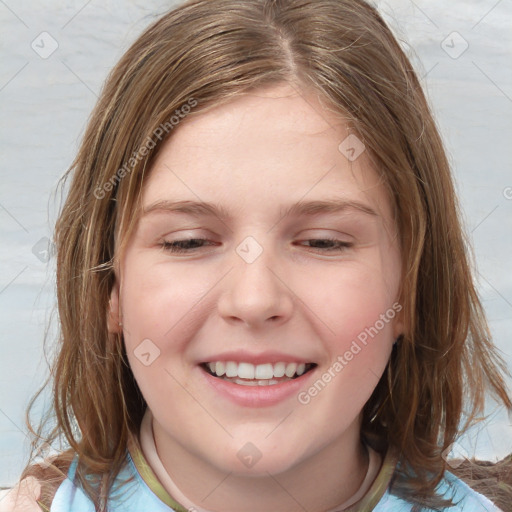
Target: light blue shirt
136, 496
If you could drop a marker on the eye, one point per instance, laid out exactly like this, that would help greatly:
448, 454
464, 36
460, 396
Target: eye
328, 244
185, 245
192, 244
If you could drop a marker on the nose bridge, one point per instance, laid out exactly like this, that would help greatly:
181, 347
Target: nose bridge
253, 293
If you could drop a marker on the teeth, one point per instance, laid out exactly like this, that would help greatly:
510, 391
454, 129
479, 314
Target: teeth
243, 382
231, 369
291, 368
279, 369
246, 371
219, 368
261, 372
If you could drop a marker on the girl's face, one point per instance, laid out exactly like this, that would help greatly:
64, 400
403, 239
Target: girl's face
266, 246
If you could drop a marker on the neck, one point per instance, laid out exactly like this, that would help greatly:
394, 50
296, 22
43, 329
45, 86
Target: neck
317, 483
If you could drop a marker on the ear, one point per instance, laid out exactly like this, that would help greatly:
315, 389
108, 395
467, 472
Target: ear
113, 313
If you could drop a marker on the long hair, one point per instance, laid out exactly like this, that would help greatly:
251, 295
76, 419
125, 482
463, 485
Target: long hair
201, 55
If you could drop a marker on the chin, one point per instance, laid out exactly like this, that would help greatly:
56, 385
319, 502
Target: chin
251, 461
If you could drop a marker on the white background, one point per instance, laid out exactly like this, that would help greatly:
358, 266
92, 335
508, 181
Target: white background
45, 104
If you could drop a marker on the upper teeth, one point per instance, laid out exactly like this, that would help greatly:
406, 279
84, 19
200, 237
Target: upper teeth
259, 372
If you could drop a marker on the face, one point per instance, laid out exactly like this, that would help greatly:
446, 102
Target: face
264, 248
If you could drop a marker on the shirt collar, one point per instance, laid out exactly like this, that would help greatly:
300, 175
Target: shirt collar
367, 502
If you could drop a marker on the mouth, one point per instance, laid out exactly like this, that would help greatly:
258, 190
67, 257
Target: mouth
248, 374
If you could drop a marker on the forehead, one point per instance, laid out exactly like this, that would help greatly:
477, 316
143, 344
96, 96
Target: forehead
262, 150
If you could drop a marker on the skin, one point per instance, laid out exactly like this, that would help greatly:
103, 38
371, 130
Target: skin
255, 156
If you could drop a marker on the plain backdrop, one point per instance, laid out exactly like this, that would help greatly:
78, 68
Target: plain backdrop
54, 57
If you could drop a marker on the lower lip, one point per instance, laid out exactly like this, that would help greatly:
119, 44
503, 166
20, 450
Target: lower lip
256, 396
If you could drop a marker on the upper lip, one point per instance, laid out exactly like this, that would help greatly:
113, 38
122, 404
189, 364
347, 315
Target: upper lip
242, 356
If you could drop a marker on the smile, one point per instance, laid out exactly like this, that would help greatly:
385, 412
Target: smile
248, 374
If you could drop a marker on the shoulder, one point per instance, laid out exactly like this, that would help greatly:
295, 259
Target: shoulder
22, 497
37, 485
463, 497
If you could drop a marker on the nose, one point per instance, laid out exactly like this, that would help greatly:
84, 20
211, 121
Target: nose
256, 294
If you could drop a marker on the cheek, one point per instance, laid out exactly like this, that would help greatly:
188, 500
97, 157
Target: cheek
159, 302
355, 306
158, 313
163, 308
351, 301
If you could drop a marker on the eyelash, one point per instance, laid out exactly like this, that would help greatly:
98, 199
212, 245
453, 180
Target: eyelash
176, 246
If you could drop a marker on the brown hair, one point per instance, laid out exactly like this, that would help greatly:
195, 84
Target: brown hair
210, 51
491, 479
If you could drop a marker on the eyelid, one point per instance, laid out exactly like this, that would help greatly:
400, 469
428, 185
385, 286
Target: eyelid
325, 233
334, 246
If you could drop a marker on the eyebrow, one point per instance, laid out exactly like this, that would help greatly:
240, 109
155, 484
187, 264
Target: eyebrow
310, 208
